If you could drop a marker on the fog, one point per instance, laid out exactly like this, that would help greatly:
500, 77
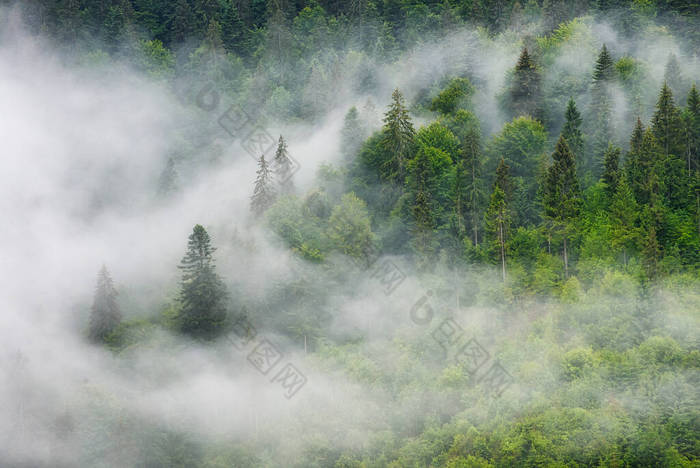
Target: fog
83, 148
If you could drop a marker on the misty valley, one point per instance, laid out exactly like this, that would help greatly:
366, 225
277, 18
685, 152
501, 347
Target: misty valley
361, 234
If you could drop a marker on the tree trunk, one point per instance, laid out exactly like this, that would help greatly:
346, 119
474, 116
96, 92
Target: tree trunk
503, 251
566, 260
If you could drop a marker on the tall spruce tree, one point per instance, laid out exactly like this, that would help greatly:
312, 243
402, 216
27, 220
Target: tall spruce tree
397, 137
497, 220
673, 76
623, 219
264, 193
667, 127
283, 168
423, 241
504, 181
601, 125
202, 292
168, 183
498, 216
468, 194
562, 195
182, 24
611, 171
105, 315
691, 117
604, 67
352, 135
632, 156
572, 132
667, 124
525, 91
232, 28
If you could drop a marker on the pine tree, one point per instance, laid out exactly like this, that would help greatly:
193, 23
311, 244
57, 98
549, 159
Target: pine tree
205, 11
611, 171
397, 137
692, 135
169, 180
504, 180
182, 23
692, 131
673, 77
572, 132
264, 193
561, 194
637, 137
468, 193
604, 67
283, 168
601, 114
647, 161
423, 242
497, 221
667, 125
279, 37
352, 135
623, 219
525, 92
105, 315
232, 28
202, 292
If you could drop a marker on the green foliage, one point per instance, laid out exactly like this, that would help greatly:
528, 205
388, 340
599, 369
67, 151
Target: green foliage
454, 97
105, 314
202, 292
349, 228
521, 144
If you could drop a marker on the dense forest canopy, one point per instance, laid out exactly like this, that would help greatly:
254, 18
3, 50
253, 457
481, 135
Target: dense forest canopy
390, 233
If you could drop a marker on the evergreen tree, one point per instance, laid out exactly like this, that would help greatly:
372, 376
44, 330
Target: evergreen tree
202, 292
692, 135
468, 193
632, 157
692, 131
611, 171
105, 315
504, 180
279, 36
169, 180
561, 194
397, 137
497, 220
352, 135
525, 91
667, 126
637, 137
623, 219
182, 23
601, 115
673, 77
283, 168
264, 193
205, 11
423, 242
232, 28
604, 67
572, 132
648, 161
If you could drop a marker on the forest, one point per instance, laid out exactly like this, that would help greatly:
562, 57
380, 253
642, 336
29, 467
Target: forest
371, 233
